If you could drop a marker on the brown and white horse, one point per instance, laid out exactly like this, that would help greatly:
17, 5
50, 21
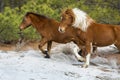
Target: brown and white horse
48, 29
93, 33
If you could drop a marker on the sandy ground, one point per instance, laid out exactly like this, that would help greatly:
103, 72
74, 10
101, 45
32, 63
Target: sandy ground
113, 54
25, 46
29, 64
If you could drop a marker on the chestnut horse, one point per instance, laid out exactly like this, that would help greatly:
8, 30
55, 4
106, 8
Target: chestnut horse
48, 28
93, 33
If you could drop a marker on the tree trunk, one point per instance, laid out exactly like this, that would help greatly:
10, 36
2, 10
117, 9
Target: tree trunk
1, 5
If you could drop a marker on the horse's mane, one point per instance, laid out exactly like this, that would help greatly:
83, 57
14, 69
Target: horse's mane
38, 15
82, 20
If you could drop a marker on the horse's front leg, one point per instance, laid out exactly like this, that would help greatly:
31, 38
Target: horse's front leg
42, 43
89, 50
77, 54
49, 44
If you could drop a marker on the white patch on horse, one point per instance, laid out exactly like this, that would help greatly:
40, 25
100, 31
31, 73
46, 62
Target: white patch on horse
82, 20
88, 56
75, 51
91, 47
88, 59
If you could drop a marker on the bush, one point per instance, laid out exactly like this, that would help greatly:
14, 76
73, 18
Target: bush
10, 19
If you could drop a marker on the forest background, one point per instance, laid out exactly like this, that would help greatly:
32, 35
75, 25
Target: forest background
12, 12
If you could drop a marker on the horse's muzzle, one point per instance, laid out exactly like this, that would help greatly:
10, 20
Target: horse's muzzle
61, 30
20, 28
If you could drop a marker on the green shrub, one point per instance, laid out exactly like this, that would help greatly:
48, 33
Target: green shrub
100, 10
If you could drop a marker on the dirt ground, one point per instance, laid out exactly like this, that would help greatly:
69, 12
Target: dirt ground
26, 46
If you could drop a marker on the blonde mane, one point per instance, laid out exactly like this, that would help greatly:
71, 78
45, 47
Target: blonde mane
82, 20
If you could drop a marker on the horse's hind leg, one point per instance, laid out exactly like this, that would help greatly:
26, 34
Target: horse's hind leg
82, 52
117, 45
94, 49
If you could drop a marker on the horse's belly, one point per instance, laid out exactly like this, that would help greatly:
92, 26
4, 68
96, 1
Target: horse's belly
107, 38
101, 43
62, 40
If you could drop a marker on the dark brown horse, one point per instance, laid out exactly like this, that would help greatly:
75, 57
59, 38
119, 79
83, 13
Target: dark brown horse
91, 32
48, 28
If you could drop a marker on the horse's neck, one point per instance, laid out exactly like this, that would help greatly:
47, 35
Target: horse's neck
82, 35
38, 23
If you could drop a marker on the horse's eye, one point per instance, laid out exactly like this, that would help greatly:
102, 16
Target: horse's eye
64, 18
24, 20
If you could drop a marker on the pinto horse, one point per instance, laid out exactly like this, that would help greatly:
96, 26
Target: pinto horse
93, 33
48, 28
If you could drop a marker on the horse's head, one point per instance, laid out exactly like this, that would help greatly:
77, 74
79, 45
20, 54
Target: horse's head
67, 20
26, 22
75, 18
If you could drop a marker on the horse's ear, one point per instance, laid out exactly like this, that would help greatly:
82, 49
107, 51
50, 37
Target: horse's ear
68, 11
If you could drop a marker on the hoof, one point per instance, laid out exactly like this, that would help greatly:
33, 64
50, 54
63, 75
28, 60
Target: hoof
80, 60
45, 52
80, 52
47, 56
85, 66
